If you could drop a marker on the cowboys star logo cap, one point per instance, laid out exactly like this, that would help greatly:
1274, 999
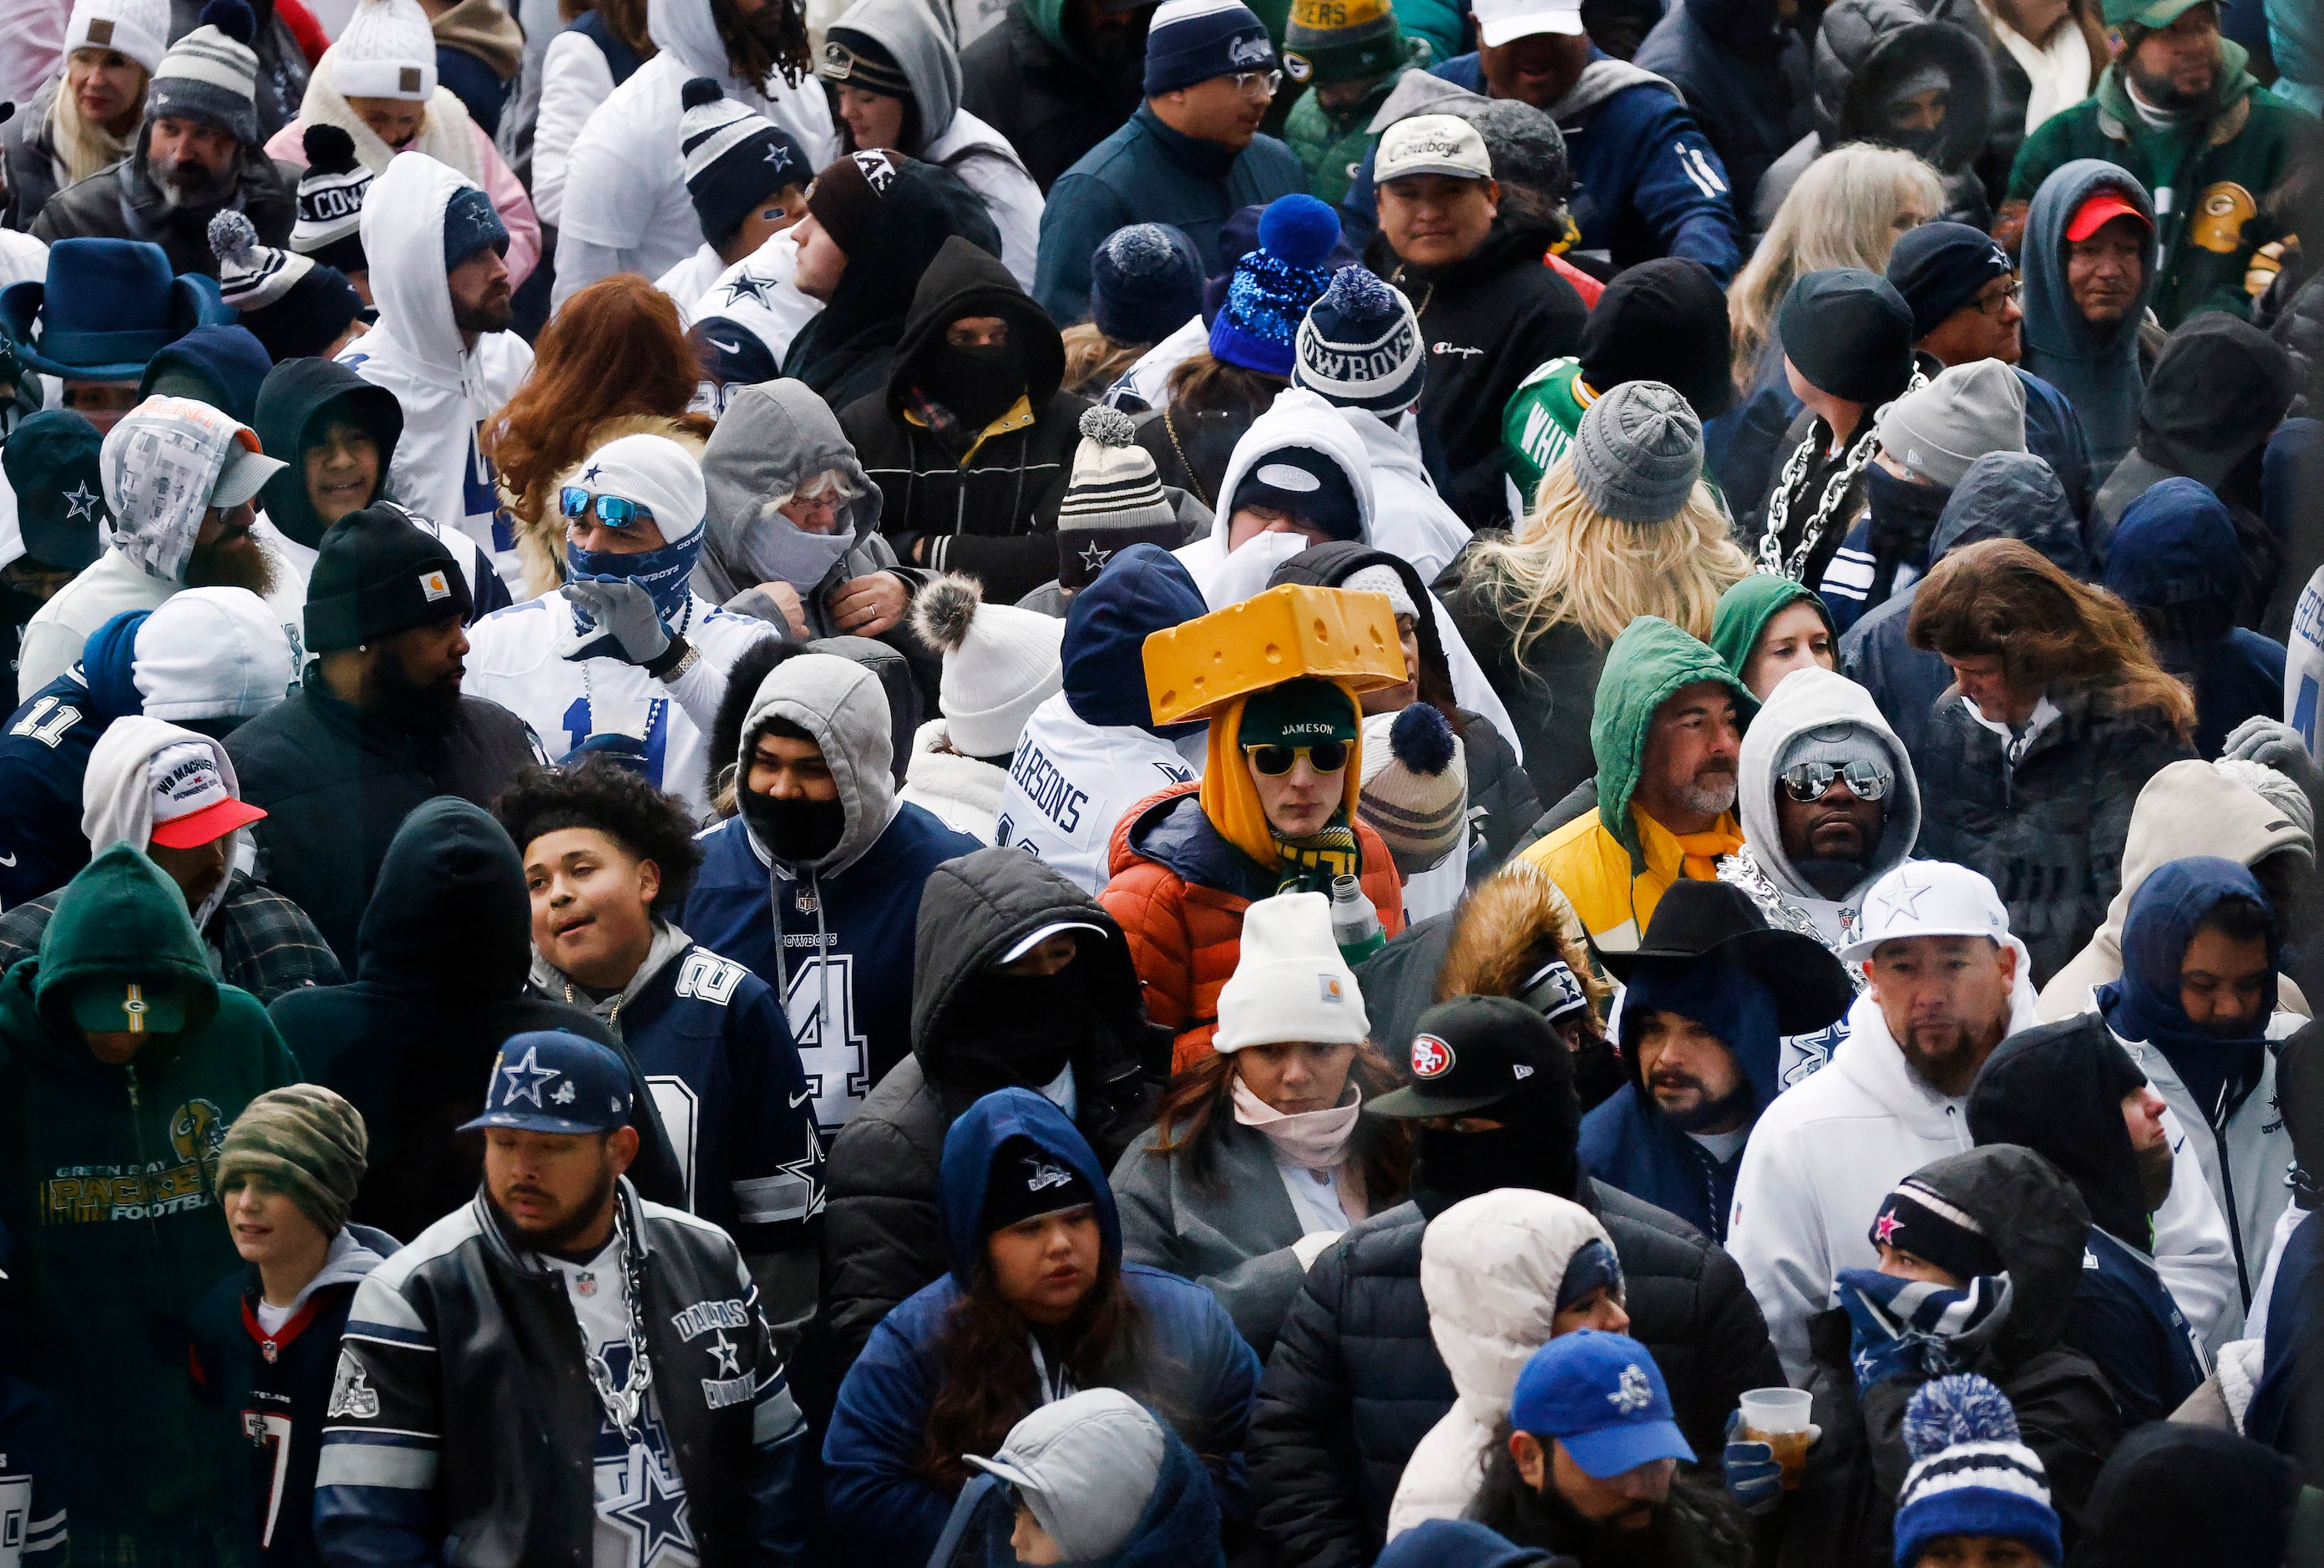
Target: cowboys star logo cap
556, 1081
1602, 1397
1469, 1052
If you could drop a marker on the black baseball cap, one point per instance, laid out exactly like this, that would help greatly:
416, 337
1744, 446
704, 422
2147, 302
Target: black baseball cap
1475, 1051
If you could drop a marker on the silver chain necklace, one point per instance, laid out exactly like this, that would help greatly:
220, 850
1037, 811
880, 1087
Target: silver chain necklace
624, 1405
1836, 488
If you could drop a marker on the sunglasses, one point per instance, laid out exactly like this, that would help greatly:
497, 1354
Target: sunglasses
1809, 780
612, 510
1275, 761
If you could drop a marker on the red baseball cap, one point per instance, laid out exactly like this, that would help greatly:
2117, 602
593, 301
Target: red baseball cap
2099, 208
192, 804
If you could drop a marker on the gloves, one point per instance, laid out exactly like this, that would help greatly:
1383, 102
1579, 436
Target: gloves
1314, 1245
1754, 1480
1910, 1328
2272, 743
623, 612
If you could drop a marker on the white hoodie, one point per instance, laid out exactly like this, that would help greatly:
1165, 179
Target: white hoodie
118, 798
625, 208
446, 388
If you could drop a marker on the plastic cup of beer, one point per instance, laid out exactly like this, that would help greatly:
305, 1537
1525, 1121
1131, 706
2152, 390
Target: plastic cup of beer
1778, 1417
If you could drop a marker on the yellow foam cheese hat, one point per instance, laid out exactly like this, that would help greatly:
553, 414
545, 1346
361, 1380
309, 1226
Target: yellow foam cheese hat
1193, 669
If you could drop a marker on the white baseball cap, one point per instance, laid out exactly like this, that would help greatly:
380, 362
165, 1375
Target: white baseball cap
1931, 898
192, 803
1501, 21
245, 472
1432, 144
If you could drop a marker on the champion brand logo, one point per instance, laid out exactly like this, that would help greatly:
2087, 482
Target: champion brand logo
1431, 1056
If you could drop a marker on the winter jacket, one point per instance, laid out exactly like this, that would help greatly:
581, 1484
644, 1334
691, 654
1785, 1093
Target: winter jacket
440, 970
1146, 172
1182, 1358
106, 1177
1028, 81
28, 159
337, 782
583, 66
625, 206
464, 1419
44, 750
2210, 179
2048, 825
1744, 71
257, 939
1613, 866
834, 936
123, 203
1843, 1514
990, 509
1332, 145
960, 791
1179, 889
1548, 692
884, 1238
281, 79
274, 1389
2097, 368
446, 388
1628, 1141
1356, 1380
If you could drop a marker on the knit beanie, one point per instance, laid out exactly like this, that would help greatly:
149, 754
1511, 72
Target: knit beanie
1193, 41
999, 663
854, 57
51, 460
470, 225
1290, 983
305, 1141
1849, 333
1938, 269
1916, 1218
735, 158
1662, 321
1274, 285
294, 306
1113, 499
1359, 347
387, 50
1383, 579
1305, 483
375, 574
1145, 281
1972, 1473
331, 192
1637, 452
211, 74
848, 192
1937, 430
1024, 1182
1415, 786
1339, 41
136, 28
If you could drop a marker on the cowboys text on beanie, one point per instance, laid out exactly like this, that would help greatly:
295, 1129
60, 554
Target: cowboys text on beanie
999, 663
305, 1141
331, 192
1193, 41
1939, 430
1359, 345
377, 574
1638, 453
1290, 983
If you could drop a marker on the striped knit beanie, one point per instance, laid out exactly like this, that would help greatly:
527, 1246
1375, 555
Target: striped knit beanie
1193, 41
1972, 1474
735, 158
1359, 347
211, 74
1113, 499
331, 192
1415, 785
386, 50
295, 307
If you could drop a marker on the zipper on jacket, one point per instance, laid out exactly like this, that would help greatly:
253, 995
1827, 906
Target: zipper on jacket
2227, 1180
137, 1143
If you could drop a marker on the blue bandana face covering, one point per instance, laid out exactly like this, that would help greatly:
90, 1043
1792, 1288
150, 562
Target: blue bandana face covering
663, 573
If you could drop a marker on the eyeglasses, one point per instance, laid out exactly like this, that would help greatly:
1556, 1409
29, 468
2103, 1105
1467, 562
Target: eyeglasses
2001, 301
1809, 780
612, 510
1258, 84
1275, 761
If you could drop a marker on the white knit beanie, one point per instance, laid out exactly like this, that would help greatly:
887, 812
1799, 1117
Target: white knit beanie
386, 50
1290, 982
999, 663
138, 28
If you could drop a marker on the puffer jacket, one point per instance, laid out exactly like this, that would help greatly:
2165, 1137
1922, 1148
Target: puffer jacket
1179, 889
1355, 1381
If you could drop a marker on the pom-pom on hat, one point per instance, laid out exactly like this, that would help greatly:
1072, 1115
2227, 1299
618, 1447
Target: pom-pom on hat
999, 663
1972, 1473
1145, 281
1359, 347
734, 158
211, 74
1274, 285
1113, 499
331, 194
294, 307
1415, 786
387, 50
136, 28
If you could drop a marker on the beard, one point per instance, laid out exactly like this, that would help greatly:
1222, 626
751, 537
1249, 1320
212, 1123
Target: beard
232, 560
1735, 1105
1712, 791
1945, 1056
186, 184
557, 1237
2155, 1173
411, 703
496, 312
2161, 92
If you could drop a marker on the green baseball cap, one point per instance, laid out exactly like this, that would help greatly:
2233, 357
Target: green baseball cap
2154, 15
1298, 712
128, 1007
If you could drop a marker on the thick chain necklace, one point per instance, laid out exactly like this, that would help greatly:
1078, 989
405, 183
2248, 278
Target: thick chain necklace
1835, 490
624, 1405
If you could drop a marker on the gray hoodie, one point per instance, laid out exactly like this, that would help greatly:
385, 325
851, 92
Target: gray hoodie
844, 708
2100, 375
773, 437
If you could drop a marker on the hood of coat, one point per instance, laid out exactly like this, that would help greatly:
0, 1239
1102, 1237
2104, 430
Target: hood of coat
1869, 52
1645, 666
921, 52
2145, 1003
773, 439
1330, 565
158, 515
120, 920
2058, 1090
228, 360
1298, 418
2011, 495
292, 405
2175, 551
1508, 927
2173, 1492
2099, 374
117, 796
1829, 707
1141, 591
967, 280
449, 917
1745, 609
970, 1147
403, 230
687, 32
1491, 1269
844, 706
1755, 29
2219, 389
2190, 807
975, 909
2035, 1220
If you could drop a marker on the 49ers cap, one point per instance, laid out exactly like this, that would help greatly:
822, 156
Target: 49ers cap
1473, 1051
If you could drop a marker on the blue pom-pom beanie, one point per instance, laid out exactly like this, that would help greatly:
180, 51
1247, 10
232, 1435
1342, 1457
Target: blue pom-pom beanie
1972, 1473
1274, 285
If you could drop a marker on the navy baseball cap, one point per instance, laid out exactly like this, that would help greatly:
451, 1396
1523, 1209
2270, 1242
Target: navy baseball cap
555, 1080
1602, 1397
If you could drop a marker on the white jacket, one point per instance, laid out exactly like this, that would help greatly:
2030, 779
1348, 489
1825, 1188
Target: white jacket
446, 388
1070, 781
963, 793
575, 78
53, 637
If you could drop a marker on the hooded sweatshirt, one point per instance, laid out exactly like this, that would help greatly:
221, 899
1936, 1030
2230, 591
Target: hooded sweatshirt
1744, 69
117, 794
1087, 1474
625, 205
1093, 751
812, 930
773, 439
105, 1183
2097, 368
446, 388
1300, 419
1179, 1354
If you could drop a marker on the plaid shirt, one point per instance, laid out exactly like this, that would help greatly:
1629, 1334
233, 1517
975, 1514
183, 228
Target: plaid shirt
258, 940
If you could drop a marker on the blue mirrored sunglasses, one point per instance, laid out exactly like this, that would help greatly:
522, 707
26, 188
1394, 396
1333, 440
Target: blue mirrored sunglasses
612, 510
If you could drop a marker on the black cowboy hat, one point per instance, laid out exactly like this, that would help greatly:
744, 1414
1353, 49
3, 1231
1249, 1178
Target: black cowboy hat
1697, 920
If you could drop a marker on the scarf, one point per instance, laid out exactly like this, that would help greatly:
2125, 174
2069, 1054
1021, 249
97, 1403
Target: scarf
1701, 853
1311, 861
1311, 1140
779, 549
665, 573
1912, 1328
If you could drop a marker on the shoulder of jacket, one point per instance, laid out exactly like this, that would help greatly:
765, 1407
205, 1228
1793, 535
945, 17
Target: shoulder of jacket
462, 1227
706, 977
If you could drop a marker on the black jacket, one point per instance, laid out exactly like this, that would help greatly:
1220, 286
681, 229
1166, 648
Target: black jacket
465, 1352
336, 785
1355, 1381
1550, 692
1488, 320
993, 514
121, 203
1050, 107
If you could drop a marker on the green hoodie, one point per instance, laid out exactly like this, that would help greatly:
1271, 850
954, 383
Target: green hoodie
1745, 610
1331, 146
106, 1181
1648, 663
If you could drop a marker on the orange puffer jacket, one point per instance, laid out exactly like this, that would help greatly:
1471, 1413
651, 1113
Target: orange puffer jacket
1179, 889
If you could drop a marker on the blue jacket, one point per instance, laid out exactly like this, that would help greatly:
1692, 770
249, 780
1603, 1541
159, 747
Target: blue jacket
867, 921
31, 1472
2124, 1320
2273, 1416
44, 756
1143, 591
1183, 1358
1146, 172
1745, 75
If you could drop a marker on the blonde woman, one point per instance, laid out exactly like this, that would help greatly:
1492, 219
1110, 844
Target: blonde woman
86, 119
1622, 526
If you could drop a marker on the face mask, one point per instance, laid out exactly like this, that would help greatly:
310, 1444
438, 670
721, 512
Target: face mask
795, 832
978, 384
1013, 1029
1447, 1167
662, 573
1903, 513
780, 550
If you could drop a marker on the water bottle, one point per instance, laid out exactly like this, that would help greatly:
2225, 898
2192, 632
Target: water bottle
1355, 924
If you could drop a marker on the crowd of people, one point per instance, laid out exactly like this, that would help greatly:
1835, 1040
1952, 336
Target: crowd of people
1294, 784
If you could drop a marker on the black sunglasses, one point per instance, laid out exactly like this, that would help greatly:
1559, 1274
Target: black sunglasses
1274, 762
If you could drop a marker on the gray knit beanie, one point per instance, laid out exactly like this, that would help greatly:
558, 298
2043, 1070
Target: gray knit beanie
306, 1142
1937, 430
1639, 452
